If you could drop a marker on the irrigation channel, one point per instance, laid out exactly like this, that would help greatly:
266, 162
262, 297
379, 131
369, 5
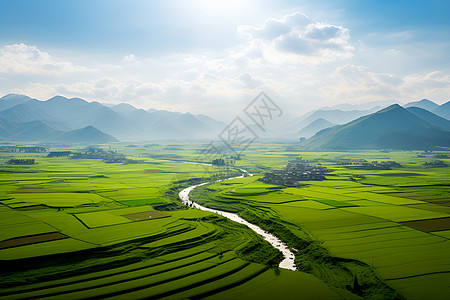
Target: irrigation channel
286, 263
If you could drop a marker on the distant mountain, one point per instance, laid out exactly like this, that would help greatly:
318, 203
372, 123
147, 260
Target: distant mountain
152, 110
314, 127
11, 100
443, 110
34, 131
87, 134
334, 116
424, 103
25, 113
123, 121
361, 106
431, 118
124, 108
41, 131
391, 128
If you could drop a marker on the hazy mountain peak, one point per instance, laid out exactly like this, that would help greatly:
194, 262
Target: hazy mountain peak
393, 107
124, 108
424, 103
11, 100
58, 98
16, 96
443, 110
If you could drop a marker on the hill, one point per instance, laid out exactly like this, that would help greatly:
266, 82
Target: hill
431, 118
123, 120
87, 134
314, 127
424, 104
11, 100
443, 110
391, 128
335, 116
41, 131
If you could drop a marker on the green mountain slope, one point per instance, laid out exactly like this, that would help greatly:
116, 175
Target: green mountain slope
391, 128
41, 131
314, 127
431, 118
87, 134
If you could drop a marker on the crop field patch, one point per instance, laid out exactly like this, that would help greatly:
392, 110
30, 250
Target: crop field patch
153, 171
272, 197
431, 286
280, 284
31, 207
30, 190
437, 224
432, 207
100, 218
336, 203
138, 202
190, 214
323, 219
410, 195
58, 199
65, 245
383, 198
130, 210
395, 213
399, 174
148, 215
308, 204
344, 214
318, 193
32, 239
443, 233
136, 196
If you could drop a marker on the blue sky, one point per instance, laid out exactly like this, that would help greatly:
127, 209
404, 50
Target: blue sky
187, 55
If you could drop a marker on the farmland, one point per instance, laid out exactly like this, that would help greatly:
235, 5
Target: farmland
393, 222
83, 228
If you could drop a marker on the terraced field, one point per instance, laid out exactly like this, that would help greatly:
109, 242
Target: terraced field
90, 230
394, 224
83, 229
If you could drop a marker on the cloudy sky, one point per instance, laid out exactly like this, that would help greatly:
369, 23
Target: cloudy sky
214, 57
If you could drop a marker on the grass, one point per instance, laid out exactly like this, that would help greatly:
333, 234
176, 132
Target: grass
100, 218
343, 229
57, 199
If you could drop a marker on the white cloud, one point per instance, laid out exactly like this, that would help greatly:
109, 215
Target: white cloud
295, 38
297, 61
357, 84
24, 59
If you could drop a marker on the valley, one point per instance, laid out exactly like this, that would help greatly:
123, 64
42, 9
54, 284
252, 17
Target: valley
85, 228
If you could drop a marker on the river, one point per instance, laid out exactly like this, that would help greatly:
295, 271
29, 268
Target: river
286, 263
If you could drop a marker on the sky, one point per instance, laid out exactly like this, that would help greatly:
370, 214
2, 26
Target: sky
214, 57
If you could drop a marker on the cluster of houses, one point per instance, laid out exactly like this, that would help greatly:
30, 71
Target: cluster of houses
23, 149
296, 170
437, 163
375, 165
110, 156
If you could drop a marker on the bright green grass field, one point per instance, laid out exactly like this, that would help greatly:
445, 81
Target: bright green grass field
86, 200
361, 220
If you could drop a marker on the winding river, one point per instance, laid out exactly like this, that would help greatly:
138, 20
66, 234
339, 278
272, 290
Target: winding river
286, 263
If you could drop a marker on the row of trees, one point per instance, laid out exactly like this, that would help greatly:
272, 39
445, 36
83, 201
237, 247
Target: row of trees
21, 161
22, 149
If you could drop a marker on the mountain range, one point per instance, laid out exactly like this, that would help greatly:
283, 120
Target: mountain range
42, 131
122, 121
59, 119
393, 127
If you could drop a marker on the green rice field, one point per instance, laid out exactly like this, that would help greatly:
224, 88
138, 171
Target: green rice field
85, 229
